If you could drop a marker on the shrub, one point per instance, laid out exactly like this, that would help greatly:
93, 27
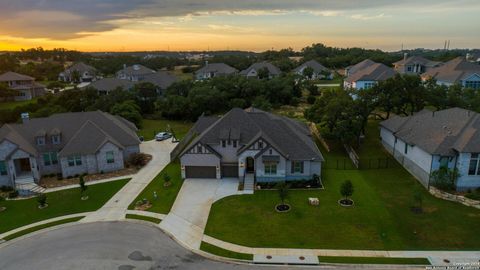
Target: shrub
6, 188
59, 176
167, 178
346, 190
138, 159
311, 99
444, 178
13, 194
2, 199
42, 200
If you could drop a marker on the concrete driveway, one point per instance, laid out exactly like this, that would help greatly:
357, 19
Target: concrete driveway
104, 245
188, 217
116, 207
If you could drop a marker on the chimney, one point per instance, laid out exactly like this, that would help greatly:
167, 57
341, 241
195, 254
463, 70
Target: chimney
25, 117
468, 57
124, 66
405, 56
206, 63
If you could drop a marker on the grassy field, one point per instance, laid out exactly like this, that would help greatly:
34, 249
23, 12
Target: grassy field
144, 218
152, 127
41, 227
10, 105
374, 260
224, 253
166, 195
381, 218
60, 203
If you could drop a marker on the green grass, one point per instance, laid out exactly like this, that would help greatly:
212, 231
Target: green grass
144, 218
41, 227
23, 212
374, 260
381, 218
225, 253
152, 127
166, 195
10, 105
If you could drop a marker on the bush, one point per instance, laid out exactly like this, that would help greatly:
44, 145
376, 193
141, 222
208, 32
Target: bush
6, 188
444, 178
311, 99
474, 195
42, 200
346, 190
2, 199
13, 194
59, 176
138, 159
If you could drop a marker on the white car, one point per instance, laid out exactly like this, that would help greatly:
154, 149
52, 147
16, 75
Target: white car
163, 136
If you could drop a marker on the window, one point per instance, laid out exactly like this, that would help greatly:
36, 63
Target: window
56, 139
74, 160
409, 68
443, 162
110, 157
229, 142
234, 144
3, 168
396, 139
199, 149
40, 140
474, 168
297, 166
223, 143
50, 159
406, 149
270, 168
369, 85
472, 84
260, 145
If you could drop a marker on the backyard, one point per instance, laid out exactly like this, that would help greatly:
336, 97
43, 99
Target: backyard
380, 219
10, 105
60, 203
152, 127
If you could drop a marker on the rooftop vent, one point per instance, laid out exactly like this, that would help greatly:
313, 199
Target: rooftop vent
25, 117
136, 67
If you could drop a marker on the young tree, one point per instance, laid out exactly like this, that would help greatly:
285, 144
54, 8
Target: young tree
283, 191
42, 200
418, 200
83, 187
166, 180
346, 189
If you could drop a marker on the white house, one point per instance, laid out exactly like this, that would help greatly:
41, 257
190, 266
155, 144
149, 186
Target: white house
457, 71
428, 140
366, 74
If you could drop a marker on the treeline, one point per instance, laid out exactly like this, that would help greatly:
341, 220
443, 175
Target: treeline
344, 114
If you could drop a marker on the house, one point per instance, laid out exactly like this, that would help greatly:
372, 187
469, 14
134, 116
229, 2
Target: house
414, 65
214, 70
79, 72
367, 74
68, 144
428, 140
25, 85
250, 145
161, 79
319, 71
106, 85
456, 71
253, 70
134, 73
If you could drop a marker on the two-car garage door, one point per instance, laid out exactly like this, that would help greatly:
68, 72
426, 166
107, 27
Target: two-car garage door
200, 172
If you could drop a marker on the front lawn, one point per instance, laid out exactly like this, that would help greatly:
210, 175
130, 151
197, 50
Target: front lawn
381, 218
225, 253
10, 105
23, 212
151, 127
165, 195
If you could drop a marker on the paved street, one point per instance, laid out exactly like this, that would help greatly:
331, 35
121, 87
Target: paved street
105, 245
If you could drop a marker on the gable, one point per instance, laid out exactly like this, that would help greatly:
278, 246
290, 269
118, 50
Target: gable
199, 149
6, 149
259, 144
473, 77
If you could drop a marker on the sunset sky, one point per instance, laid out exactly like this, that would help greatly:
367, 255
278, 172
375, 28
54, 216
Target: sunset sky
133, 25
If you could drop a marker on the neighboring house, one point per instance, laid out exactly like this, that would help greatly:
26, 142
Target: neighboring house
414, 65
25, 85
428, 140
214, 70
68, 144
84, 72
319, 71
250, 145
367, 74
161, 79
253, 70
457, 71
106, 85
134, 73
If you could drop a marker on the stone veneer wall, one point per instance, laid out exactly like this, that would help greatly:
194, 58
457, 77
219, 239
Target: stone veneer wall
454, 198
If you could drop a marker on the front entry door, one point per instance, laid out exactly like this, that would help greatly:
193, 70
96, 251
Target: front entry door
250, 165
25, 165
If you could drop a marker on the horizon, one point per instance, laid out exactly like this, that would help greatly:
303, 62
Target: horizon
210, 25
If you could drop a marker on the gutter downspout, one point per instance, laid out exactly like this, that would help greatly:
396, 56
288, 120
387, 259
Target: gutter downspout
430, 173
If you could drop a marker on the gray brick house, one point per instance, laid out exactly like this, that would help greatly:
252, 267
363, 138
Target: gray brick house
68, 144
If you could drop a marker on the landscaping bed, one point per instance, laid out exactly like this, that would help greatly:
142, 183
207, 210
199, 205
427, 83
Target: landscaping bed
23, 212
144, 218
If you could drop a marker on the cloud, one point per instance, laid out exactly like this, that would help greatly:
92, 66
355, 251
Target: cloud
369, 17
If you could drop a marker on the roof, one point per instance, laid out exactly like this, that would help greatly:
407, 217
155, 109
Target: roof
162, 79
417, 60
13, 76
439, 133
371, 72
316, 66
110, 84
453, 71
81, 68
362, 65
81, 132
136, 70
219, 68
289, 137
273, 70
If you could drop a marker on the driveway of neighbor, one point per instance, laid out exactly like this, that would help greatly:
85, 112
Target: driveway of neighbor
187, 219
104, 245
116, 207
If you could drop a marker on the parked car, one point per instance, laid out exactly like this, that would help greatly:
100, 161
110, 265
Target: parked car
163, 136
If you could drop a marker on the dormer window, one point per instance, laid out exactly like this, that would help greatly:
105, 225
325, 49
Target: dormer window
40, 140
224, 143
55, 139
